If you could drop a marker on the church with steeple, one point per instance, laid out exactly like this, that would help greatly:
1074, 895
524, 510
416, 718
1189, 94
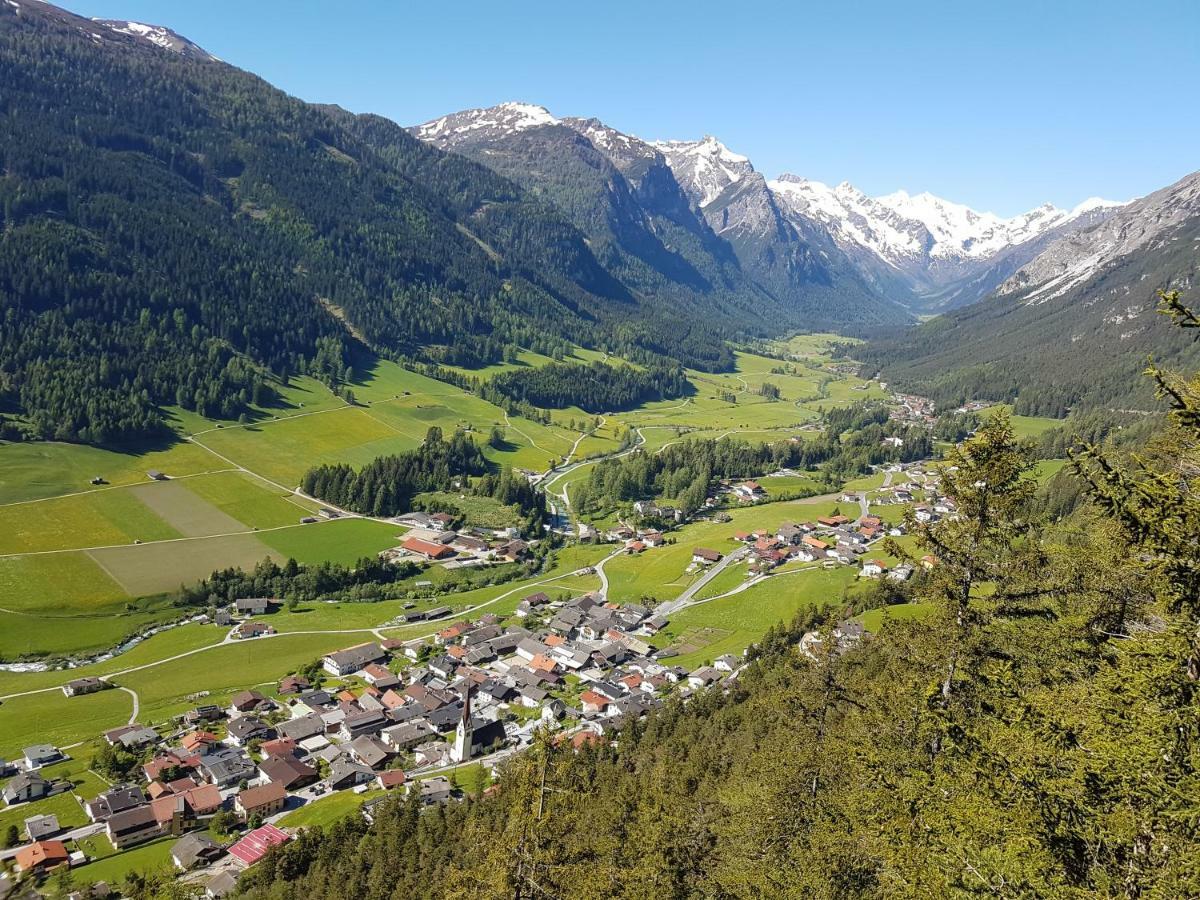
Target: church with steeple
469, 739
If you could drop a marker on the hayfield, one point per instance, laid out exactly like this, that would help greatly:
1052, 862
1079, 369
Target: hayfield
95, 519
733, 623
342, 541
284, 450
164, 566
51, 718
38, 469
184, 511
248, 500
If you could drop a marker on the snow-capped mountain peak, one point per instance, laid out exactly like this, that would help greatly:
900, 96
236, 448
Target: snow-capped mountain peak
704, 168
160, 36
502, 119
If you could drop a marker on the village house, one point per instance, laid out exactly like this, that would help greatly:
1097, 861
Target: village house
749, 490
247, 701
114, 800
199, 743
243, 730
292, 684
42, 857
38, 827
389, 779
369, 751
88, 685
704, 557
25, 786
132, 826
39, 755
247, 630
347, 662
262, 801
345, 774
228, 766
252, 606
873, 568
287, 771
430, 550
195, 849
255, 845
368, 722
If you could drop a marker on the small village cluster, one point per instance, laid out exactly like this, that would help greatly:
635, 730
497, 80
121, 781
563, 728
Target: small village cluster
430, 538
393, 715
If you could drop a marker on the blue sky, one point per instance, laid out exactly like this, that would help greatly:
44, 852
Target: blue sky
998, 105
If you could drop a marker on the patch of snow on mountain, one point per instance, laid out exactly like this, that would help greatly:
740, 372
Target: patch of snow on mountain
504, 118
158, 35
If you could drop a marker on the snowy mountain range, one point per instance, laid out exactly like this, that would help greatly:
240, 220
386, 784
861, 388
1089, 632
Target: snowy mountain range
922, 251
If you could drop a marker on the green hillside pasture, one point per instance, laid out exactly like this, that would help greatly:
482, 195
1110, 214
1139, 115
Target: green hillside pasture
301, 396
249, 500
526, 359
815, 347
171, 688
328, 810
183, 509
283, 451
659, 573
1047, 469
707, 630
95, 519
730, 578
1023, 426
164, 566
60, 603
174, 641
39, 469
51, 718
343, 541
781, 487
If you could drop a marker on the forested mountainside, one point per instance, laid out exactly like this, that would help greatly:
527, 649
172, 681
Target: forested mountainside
1037, 735
174, 230
642, 224
1072, 328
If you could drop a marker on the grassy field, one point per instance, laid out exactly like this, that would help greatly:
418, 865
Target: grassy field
34, 470
145, 858
94, 519
328, 810
246, 500
52, 718
660, 573
342, 541
164, 566
705, 631
1024, 426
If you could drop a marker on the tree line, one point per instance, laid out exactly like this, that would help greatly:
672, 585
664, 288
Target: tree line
594, 388
386, 485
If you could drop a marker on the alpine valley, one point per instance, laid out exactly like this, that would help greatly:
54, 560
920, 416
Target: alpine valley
509, 507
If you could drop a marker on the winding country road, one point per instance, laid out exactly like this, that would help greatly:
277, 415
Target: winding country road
684, 599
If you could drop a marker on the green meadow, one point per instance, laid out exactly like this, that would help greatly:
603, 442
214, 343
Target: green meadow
702, 632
